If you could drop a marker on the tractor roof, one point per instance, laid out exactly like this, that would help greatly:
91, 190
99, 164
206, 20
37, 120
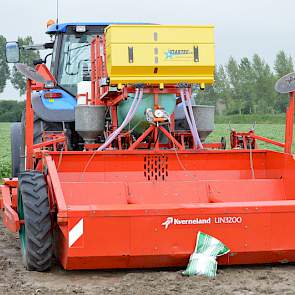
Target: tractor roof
62, 28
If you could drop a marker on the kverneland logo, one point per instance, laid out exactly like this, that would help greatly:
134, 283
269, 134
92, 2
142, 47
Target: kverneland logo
216, 220
171, 220
168, 221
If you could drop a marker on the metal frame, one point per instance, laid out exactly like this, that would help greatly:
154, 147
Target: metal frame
243, 137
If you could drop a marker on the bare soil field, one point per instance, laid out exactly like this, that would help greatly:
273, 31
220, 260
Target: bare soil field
254, 280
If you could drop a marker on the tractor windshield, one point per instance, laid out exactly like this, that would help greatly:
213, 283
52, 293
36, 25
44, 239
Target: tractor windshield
74, 65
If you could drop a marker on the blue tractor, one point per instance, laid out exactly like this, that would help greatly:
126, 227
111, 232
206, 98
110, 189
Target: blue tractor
70, 65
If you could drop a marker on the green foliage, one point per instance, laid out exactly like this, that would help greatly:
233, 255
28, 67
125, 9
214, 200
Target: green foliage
264, 81
11, 110
251, 119
5, 168
283, 65
27, 57
247, 86
4, 70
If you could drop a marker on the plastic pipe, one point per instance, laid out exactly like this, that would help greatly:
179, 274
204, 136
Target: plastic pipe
192, 129
124, 123
134, 106
118, 130
187, 115
190, 108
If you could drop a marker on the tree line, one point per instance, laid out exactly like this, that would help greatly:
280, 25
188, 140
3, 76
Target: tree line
244, 86
11, 110
247, 86
6, 73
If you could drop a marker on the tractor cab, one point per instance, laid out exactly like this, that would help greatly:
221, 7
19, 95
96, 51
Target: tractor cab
71, 57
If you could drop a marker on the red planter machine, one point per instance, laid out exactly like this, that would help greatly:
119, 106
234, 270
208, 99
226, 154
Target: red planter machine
140, 204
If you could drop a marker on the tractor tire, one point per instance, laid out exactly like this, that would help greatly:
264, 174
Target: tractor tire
16, 142
36, 232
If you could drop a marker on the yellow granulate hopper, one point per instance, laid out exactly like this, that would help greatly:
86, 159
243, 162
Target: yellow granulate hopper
160, 54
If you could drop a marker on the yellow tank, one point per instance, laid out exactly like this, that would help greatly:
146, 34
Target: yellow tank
157, 54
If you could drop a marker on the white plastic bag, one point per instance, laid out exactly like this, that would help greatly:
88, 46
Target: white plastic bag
203, 260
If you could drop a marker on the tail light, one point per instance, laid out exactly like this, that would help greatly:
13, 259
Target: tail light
53, 95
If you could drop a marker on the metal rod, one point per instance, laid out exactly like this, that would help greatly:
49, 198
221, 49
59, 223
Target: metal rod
141, 138
171, 137
29, 127
265, 139
289, 125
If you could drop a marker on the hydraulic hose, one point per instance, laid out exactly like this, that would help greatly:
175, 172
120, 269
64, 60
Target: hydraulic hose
193, 121
186, 113
134, 106
192, 129
122, 126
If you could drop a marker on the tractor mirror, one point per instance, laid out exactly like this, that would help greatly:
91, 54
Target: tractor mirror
12, 52
286, 84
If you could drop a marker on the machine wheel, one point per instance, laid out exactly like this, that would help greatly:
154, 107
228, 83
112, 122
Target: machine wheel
16, 142
35, 234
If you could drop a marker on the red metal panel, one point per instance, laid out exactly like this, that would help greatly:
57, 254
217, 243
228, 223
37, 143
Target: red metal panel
176, 192
90, 193
55, 185
246, 190
9, 215
131, 241
282, 228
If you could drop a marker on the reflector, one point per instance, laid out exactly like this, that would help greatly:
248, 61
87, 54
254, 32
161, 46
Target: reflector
52, 95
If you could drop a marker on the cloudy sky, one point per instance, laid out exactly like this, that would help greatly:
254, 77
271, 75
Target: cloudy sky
243, 27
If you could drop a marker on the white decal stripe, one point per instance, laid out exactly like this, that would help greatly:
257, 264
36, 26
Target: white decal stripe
76, 232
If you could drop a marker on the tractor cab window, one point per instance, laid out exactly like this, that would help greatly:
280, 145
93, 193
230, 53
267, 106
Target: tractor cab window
75, 64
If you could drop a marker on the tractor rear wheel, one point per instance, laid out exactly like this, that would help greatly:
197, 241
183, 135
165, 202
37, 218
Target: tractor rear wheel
36, 233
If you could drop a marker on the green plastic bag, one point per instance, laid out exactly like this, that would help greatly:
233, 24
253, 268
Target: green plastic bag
203, 260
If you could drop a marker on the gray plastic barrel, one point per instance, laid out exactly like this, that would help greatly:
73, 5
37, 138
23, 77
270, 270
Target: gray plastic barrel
204, 116
89, 121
